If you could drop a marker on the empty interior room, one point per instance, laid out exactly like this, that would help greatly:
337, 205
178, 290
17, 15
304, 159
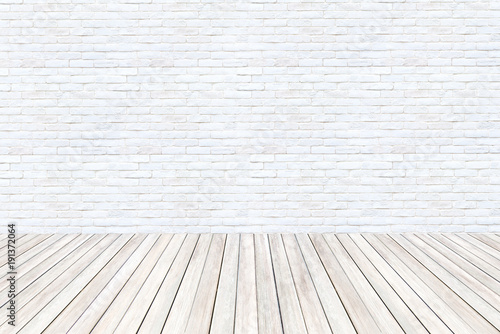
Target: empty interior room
250, 166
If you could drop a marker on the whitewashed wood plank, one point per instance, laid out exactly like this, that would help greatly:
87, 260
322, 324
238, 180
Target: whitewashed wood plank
491, 253
457, 288
54, 255
33, 298
42, 319
201, 312
246, 297
397, 307
312, 310
268, 316
106, 281
430, 289
494, 237
131, 305
25, 251
39, 250
22, 247
19, 239
337, 316
493, 246
153, 302
57, 295
356, 309
44, 250
463, 260
176, 320
445, 280
475, 293
291, 314
372, 301
422, 311
477, 250
90, 317
225, 301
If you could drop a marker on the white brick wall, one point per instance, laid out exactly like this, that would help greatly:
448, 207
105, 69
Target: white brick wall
250, 116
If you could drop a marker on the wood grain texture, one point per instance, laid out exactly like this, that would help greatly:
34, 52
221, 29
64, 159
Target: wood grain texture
177, 319
380, 313
159, 293
291, 313
310, 304
141, 288
334, 309
394, 274
31, 299
201, 311
79, 279
404, 315
462, 283
225, 300
459, 296
270, 284
267, 297
246, 293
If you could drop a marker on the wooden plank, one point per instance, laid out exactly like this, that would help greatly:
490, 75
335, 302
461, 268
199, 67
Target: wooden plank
312, 310
30, 241
479, 244
422, 311
469, 262
494, 237
54, 255
447, 305
444, 302
64, 294
475, 247
481, 283
201, 312
19, 239
456, 275
225, 301
356, 309
291, 314
176, 320
246, 297
131, 305
89, 318
399, 310
277, 284
33, 298
24, 252
471, 253
268, 312
457, 287
335, 312
382, 316
21, 248
121, 265
46, 241
44, 250
493, 246
37, 249
160, 294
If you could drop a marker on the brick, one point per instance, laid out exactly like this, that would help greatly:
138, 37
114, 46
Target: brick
158, 118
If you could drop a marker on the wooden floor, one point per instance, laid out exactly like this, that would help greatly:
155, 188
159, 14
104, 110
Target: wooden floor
318, 283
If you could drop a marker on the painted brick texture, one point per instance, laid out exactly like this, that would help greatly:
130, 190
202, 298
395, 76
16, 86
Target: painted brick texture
250, 116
